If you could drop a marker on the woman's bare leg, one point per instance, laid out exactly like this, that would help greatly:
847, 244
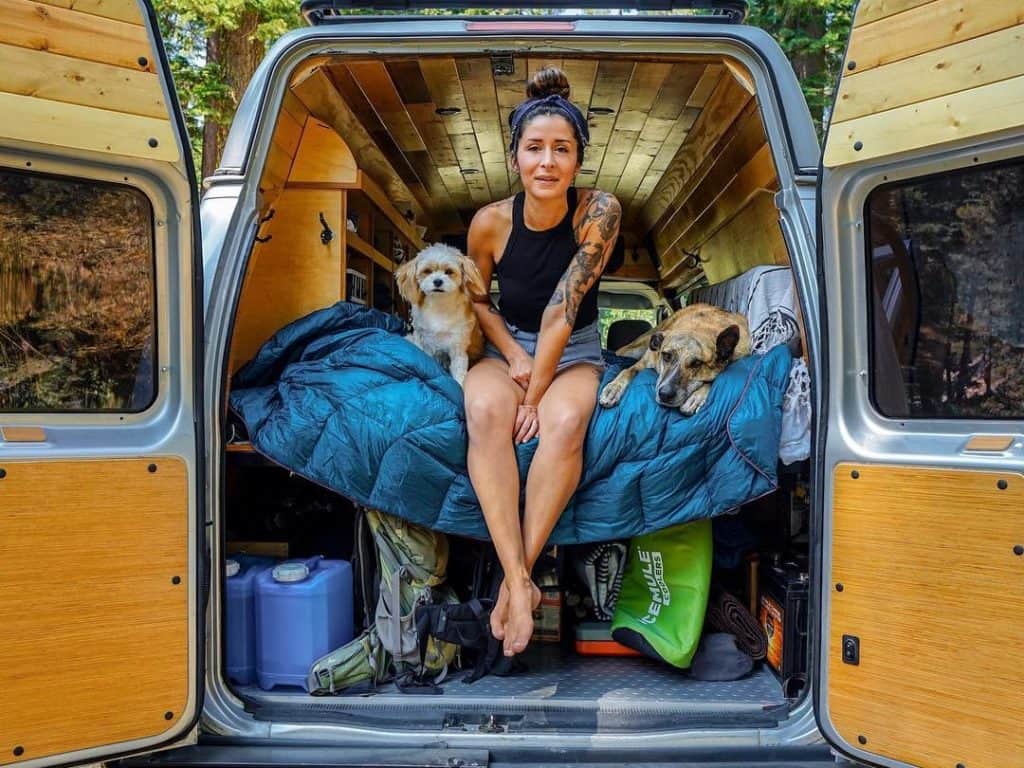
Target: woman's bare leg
492, 399
565, 412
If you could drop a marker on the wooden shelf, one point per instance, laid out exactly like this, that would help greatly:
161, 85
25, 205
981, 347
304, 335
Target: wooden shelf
357, 243
376, 195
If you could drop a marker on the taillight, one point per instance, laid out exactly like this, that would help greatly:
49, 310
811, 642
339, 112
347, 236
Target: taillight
520, 26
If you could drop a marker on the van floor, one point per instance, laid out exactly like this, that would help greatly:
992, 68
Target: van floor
559, 690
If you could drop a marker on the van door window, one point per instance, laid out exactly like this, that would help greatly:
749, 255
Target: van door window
945, 257
623, 306
77, 322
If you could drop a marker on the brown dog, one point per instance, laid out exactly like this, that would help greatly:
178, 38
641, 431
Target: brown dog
688, 349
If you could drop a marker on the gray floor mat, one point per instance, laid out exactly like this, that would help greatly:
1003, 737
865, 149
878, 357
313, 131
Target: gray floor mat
621, 680
557, 691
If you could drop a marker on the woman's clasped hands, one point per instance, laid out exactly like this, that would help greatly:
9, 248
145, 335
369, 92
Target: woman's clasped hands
527, 419
527, 423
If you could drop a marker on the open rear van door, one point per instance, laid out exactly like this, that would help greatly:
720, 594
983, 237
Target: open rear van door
100, 476
922, 221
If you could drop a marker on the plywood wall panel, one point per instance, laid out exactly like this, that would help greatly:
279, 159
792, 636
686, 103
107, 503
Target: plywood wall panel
121, 10
320, 96
72, 125
873, 10
609, 88
932, 589
292, 274
929, 27
987, 109
107, 660
724, 105
52, 77
66, 32
750, 238
478, 87
323, 156
972, 63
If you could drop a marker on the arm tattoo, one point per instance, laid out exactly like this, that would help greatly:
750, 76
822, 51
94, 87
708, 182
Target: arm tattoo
604, 211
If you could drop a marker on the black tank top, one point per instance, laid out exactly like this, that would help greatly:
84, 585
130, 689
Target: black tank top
532, 265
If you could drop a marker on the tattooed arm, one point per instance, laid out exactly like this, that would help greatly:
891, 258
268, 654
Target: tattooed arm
596, 233
487, 232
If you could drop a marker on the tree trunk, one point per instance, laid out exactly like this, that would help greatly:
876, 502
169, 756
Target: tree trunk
237, 52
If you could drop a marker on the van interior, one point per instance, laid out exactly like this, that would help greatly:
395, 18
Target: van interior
373, 158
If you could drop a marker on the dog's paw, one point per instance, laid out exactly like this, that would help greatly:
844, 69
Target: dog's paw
694, 402
611, 394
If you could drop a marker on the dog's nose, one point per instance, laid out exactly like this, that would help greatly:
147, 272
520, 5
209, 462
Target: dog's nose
438, 282
665, 394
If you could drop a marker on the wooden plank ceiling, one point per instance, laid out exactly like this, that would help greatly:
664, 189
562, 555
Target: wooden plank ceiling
442, 123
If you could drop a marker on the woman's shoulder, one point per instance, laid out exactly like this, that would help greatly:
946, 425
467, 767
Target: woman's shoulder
587, 195
493, 217
593, 204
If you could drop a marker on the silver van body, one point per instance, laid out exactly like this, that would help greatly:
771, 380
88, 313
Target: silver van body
938, 494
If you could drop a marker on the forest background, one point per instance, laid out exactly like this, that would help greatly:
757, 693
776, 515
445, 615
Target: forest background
215, 46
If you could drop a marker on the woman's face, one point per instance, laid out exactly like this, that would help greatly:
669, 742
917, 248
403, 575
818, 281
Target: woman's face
547, 157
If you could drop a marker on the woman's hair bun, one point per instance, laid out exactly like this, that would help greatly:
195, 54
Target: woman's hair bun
546, 82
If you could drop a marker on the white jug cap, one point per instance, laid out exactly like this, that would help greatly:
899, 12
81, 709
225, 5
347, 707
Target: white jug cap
232, 567
290, 572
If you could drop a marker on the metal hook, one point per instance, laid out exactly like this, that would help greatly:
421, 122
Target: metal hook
694, 258
326, 235
263, 220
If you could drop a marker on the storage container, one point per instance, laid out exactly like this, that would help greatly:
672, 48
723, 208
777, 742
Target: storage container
303, 610
239, 615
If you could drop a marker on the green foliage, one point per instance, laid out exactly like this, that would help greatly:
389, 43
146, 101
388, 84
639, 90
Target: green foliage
608, 315
202, 87
813, 35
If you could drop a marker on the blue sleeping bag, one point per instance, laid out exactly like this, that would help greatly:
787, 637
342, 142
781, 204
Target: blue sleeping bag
342, 399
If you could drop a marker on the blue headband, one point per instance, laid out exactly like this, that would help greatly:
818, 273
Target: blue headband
556, 102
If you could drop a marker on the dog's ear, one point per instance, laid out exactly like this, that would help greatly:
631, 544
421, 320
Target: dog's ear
473, 281
726, 342
656, 341
405, 277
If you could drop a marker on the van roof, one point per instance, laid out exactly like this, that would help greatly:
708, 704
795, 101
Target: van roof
317, 12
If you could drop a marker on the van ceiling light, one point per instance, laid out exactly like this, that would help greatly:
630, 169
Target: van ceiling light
469, 171
502, 64
601, 111
447, 111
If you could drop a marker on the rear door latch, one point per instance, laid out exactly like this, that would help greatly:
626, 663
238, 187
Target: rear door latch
851, 649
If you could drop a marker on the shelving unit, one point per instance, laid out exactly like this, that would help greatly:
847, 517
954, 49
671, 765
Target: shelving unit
294, 272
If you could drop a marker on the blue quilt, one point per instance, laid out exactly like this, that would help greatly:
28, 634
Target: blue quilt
342, 399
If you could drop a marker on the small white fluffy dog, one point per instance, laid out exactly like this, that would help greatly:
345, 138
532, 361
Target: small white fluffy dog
441, 285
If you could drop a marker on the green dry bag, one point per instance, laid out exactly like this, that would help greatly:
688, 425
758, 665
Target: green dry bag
660, 610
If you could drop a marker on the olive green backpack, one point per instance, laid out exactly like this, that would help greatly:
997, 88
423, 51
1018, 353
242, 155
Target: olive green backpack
412, 562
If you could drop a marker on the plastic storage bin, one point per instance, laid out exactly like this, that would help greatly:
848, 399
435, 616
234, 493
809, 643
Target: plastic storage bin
303, 610
239, 616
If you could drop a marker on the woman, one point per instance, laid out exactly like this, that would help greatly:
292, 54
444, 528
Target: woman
540, 374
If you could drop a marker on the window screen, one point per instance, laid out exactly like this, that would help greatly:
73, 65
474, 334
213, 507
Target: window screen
945, 256
77, 325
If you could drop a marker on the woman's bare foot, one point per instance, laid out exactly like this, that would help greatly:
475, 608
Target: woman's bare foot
499, 613
519, 624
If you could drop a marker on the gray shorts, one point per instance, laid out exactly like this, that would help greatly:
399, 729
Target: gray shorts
584, 346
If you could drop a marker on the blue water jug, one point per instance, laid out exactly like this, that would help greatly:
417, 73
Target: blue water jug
240, 615
303, 611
